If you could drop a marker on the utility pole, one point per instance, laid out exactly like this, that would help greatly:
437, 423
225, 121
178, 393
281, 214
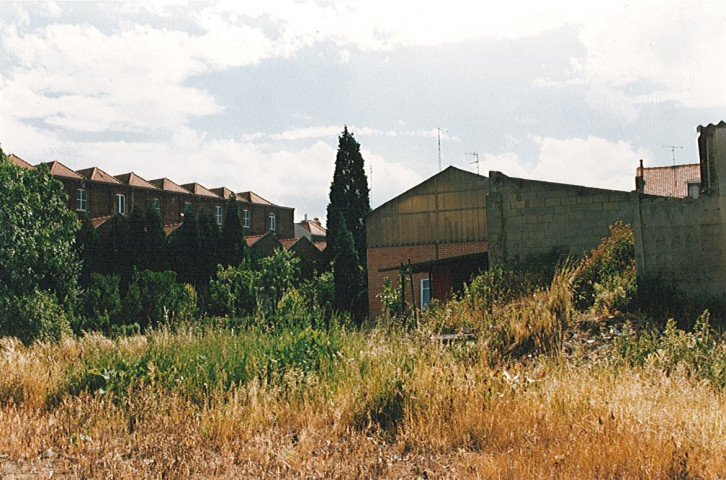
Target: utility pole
475, 154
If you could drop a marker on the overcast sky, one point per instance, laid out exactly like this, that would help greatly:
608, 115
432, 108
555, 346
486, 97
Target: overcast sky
252, 95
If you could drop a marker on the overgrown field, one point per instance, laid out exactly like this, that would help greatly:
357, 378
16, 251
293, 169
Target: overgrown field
540, 377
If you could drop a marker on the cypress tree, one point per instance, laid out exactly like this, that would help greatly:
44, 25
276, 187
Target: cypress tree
232, 239
349, 203
136, 240
155, 240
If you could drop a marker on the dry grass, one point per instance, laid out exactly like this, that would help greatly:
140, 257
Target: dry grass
404, 407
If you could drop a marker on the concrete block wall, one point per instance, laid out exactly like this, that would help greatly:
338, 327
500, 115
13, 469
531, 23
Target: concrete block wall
527, 219
683, 241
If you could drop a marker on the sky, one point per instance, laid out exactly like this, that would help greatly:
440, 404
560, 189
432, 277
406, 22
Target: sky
252, 95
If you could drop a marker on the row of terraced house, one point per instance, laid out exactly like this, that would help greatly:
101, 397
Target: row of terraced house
266, 226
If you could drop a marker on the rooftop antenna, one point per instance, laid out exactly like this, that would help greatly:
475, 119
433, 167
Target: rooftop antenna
673, 151
476, 154
675, 177
370, 182
438, 136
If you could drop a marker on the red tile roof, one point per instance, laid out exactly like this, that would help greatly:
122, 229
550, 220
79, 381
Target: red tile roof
98, 221
135, 181
321, 245
252, 239
197, 189
20, 162
166, 184
288, 242
252, 197
170, 227
59, 170
223, 192
670, 181
98, 175
314, 227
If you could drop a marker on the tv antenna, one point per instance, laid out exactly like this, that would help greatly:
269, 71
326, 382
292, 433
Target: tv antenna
673, 151
438, 136
475, 154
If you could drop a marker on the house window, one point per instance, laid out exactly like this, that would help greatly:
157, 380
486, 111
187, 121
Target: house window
121, 204
246, 218
187, 208
154, 204
81, 200
425, 292
272, 221
218, 215
694, 189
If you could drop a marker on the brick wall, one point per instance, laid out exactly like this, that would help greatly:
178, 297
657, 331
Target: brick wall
392, 256
527, 219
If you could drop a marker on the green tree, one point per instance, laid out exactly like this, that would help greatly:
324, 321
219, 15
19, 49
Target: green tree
87, 248
39, 266
136, 239
348, 276
155, 240
349, 203
232, 244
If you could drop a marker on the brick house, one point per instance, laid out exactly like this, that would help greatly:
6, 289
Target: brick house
674, 181
101, 195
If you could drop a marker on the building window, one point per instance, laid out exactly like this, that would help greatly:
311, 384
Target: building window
218, 215
121, 204
246, 218
187, 208
272, 221
154, 204
81, 200
694, 189
425, 292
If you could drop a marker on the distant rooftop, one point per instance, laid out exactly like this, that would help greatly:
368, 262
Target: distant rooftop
669, 181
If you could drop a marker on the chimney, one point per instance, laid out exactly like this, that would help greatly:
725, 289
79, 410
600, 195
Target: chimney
639, 180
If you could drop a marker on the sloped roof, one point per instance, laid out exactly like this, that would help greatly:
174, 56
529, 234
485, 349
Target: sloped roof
321, 245
59, 170
314, 227
198, 189
223, 192
98, 175
252, 239
168, 185
135, 181
20, 162
252, 197
169, 228
98, 221
289, 242
670, 181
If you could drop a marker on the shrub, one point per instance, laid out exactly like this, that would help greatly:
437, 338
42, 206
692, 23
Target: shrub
35, 316
100, 303
232, 291
606, 279
155, 298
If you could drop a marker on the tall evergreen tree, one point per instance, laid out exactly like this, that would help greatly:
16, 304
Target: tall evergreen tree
155, 240
349, 203
232, 239
136, 239
87, 247
348, 275
208, 232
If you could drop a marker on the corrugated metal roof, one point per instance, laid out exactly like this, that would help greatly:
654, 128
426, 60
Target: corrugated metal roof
670, 181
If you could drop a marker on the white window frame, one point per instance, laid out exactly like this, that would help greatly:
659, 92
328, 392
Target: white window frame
218, 215
245, 218
187, 208
81, 200
425, 287
120, 203
273, 222
155, 204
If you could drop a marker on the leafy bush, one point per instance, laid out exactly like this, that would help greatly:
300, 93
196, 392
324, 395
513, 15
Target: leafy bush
100, 303
232, 291
606, 279
155, 298
35, 316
